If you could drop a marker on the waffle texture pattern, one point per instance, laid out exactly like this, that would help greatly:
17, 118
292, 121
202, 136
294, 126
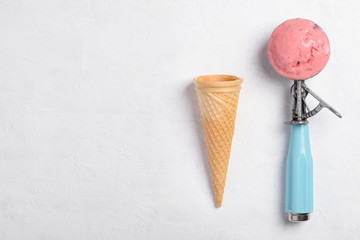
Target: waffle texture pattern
218, 105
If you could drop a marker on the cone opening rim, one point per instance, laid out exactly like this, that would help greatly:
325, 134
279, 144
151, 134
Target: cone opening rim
217, 78
216, 81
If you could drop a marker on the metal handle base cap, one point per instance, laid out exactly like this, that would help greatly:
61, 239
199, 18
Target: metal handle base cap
299, 217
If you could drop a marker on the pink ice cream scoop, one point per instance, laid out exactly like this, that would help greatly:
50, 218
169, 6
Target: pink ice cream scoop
298, 49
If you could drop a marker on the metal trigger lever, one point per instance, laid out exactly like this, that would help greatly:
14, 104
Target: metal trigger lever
322, 104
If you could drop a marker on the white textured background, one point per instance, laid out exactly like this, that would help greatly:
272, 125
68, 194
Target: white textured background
100, 134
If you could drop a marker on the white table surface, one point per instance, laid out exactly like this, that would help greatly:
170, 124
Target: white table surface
100, 135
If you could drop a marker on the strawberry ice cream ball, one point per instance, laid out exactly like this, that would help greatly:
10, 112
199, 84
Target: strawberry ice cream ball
298, 49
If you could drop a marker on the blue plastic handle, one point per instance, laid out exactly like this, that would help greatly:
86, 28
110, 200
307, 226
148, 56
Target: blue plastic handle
299, 172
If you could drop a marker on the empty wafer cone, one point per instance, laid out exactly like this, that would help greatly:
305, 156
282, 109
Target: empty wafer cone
218, 98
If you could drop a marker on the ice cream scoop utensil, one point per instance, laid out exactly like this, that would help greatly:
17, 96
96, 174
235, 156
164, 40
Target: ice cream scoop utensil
299, 166
299, 49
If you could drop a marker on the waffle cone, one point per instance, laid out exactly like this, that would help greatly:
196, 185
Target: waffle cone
218, 98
